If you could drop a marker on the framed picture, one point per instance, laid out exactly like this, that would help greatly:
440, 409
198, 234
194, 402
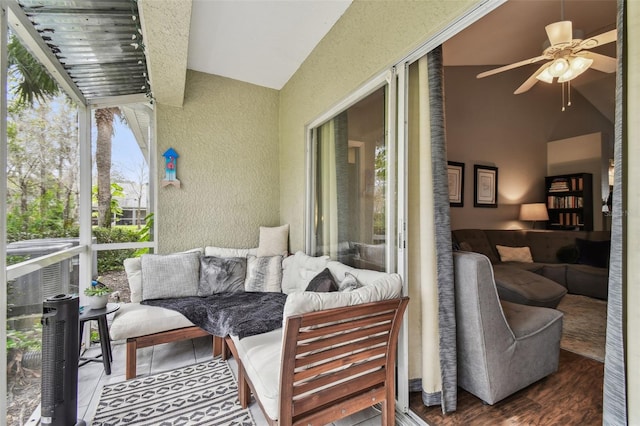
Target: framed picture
485, 190
455, 173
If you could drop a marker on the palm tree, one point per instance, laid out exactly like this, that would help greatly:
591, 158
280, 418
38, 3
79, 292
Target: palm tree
34, 82
104, 123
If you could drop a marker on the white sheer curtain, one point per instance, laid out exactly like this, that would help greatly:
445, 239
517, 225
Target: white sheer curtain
327, 205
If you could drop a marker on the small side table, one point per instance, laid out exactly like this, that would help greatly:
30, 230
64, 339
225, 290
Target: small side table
100, 315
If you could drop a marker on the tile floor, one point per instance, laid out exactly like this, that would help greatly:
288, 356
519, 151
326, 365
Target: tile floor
165, 357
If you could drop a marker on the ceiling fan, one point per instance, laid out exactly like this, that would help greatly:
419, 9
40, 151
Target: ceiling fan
567, 57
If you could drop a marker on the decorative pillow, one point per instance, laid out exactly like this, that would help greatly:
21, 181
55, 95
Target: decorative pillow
273, 241
593, 253
264, 274
349, 283
219, 275
133, 269
323, 282
568, 254
171, 275
514, 254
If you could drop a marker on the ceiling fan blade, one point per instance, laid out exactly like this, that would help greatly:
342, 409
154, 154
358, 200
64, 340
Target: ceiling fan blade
599, 40
529, 83
559, 32
511, 66
601, 62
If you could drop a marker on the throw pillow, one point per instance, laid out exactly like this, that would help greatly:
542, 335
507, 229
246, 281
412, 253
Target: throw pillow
349, 283
219, 275
171, 275
514, 254
273, 241
323, 282
264, 274
133, 269
568, 254
593, 253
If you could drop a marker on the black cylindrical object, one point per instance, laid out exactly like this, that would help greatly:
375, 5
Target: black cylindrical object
60, 353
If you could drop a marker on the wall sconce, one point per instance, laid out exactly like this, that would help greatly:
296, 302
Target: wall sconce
534, 212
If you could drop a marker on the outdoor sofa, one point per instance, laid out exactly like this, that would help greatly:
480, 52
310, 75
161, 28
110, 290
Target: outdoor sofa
332, 353
538, 267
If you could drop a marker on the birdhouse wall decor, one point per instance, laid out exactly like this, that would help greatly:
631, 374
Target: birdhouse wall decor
170, 167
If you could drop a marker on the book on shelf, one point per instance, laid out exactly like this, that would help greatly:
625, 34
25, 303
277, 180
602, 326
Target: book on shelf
565, 202
559, 185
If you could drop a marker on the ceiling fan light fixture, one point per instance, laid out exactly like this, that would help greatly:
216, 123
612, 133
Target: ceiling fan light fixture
577, 66
545, 76
558, 67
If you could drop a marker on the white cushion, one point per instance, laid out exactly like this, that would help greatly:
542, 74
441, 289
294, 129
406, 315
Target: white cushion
134, 319
299, 269
229, 252
273, 241
171, 275
133, 268
260, 356
515, 254
385, 286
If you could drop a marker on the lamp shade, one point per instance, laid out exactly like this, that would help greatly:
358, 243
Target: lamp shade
534, 212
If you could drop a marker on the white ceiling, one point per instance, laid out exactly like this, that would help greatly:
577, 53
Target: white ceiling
262, 42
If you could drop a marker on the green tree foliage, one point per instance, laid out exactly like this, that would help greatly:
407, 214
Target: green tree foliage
42, 170
33, 80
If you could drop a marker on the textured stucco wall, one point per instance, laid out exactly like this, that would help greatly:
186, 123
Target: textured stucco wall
366, 40
226, 135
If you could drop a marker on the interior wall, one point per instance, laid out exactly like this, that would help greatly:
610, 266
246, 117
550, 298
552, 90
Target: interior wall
366, 40
226, 135
488, 125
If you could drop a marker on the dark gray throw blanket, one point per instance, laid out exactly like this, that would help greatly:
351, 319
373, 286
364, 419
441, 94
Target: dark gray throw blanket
240, 314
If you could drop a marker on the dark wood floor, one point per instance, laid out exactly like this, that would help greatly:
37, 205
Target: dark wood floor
572, 396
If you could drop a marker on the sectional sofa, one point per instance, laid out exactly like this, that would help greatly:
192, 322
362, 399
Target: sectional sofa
538, 267
334, 354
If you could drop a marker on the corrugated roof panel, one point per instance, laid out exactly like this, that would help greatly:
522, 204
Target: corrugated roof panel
98, 42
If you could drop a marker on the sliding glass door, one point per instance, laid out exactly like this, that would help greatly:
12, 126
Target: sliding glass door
351, 184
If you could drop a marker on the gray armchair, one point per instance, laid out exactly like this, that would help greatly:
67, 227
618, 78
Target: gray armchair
502, 346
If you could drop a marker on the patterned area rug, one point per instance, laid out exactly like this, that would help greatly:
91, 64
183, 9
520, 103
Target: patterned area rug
584, 325
201, 394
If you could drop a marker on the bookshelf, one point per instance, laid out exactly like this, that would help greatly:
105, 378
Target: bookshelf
570, 201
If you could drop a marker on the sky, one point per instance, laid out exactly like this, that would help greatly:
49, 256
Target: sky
125, 152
